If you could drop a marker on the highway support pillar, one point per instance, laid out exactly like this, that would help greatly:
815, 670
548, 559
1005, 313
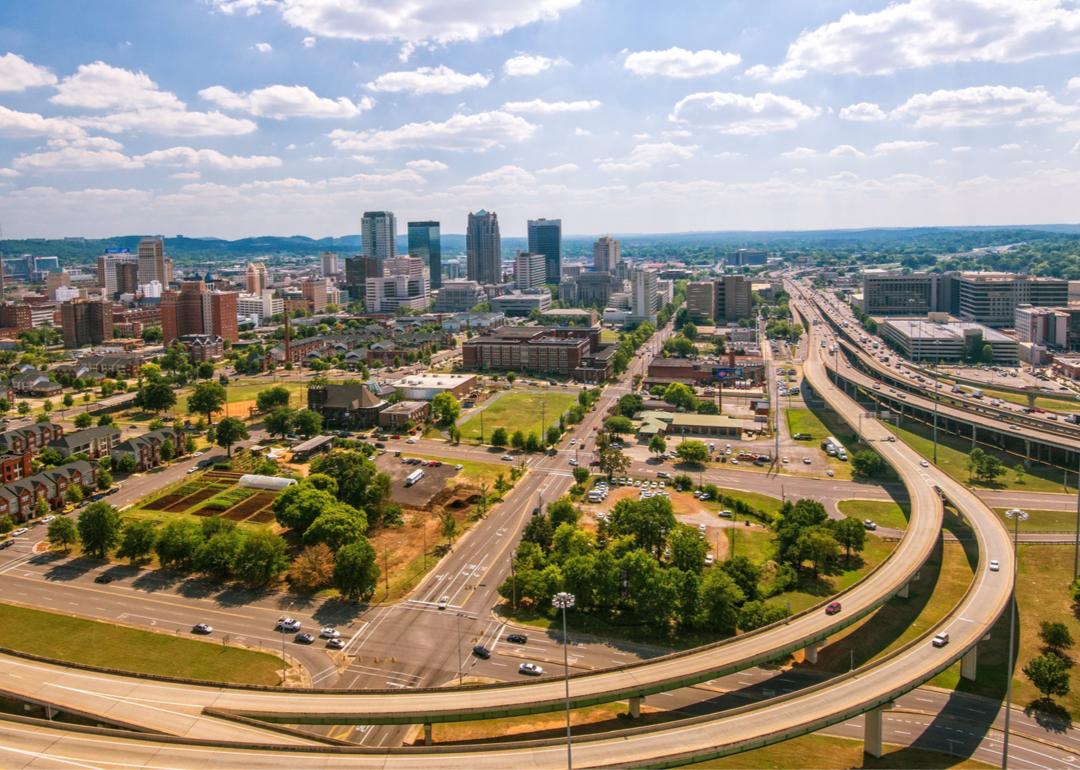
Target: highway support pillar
427, 734
810, 652
969, 663
49, 713
635, 706
904, 591
872, 730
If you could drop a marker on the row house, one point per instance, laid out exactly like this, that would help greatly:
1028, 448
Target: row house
146, 449
92, 442
15, 466
30, 439
18, 499
120, 366
34, 383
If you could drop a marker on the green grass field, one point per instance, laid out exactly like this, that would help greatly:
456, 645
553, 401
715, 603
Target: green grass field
146, 652
953, 454
1050, 404
766, 503
519, 410
755, 544
608, 335
802, 420
885, 513
240, 390
1043, 521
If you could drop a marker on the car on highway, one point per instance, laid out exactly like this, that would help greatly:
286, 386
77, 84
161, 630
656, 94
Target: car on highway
517, 638
832, 608
337, 643
202, 628
924, 463
19, 531
806, 461
287, 624
940, 640
995, 565
329, 632
443, 601
481, 651
508, 458
530, 669
303, 638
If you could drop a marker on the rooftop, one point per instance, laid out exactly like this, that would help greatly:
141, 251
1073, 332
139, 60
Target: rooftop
433, 380
950, 331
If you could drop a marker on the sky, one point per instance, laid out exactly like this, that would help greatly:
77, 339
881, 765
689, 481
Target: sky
233, 118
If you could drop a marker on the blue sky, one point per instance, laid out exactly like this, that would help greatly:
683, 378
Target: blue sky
246, 117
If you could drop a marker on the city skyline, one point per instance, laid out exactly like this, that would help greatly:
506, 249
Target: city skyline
841, 115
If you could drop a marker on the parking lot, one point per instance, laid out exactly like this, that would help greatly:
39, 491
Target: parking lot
418, 495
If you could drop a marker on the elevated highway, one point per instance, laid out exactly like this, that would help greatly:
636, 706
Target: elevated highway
867, 690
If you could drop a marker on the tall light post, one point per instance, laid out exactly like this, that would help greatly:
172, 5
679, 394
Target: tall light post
564, 601
1017, 516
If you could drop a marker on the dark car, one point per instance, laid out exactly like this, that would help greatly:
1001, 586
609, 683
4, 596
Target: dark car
202, 628
481, 651
380, 445
103, 579
517, 639
832, 608
7, 544
303, 638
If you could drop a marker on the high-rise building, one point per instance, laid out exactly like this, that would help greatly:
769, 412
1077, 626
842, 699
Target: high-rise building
643, 296
127, 278
529, 270
733, 298
594, 289
545, 237
194, 309
992, 298
744, 257
459, 297
152, 260
261, 307
329, 262
409, 266
357, 270
483, 248
425, 242
86, 322
54, 281
701, 301
256, 278
606, 254
894, 293
314, 291
404, 285
377, 232
109, 265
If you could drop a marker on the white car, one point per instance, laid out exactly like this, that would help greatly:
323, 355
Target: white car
410, 441
701, 527
709, 559
47, 519
196, 454
459, 467
807, 461
530, 669
573, 461
290, 625
573, 441
19, 531
445, 600
329, 632
924, 463
995, 565
829, 472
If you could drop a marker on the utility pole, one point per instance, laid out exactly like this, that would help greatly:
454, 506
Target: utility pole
386, 568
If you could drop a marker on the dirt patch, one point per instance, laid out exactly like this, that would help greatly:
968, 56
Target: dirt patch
184, 503
264, 516
163, 503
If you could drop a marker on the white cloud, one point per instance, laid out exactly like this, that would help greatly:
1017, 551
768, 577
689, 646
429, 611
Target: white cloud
528, 65
1073, 84
308, 42
579, 131
901, 145
440, 21
480, 131
192, 158
680, 63
982, 106
428, 80
100, 86
846, 151
923, 33
800, 153
863, 112
737, 114
17, 74
170, 123
503, 175
9, 172
422, 165
645, 156
962, 148
280, 102
1009, 147
188, 175
264, 47
18, 125
75, 159
640, 137
540, 107
758, 72
562, 168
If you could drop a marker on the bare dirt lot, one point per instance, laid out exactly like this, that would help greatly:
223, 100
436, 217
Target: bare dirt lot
420, 494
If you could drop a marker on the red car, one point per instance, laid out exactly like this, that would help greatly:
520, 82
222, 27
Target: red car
832, 608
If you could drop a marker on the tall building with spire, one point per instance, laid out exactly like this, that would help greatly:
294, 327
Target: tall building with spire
377, 231
545, 237
483, 248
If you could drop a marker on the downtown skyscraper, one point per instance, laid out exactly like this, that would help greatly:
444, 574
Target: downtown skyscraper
483, 248
377, 232
426, 244
545, 237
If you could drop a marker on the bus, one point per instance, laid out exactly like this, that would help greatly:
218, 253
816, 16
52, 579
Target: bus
414, 477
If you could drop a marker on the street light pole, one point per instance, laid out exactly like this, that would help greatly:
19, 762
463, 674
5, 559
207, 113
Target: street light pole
1076, 543
1017, 516
564, 601
459, 674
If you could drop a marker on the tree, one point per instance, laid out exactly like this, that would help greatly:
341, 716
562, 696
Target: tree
680, 395
307, 423
581, 474
207, 398
83, 420
613, 462
267, 399
1055, 635
757, 614
986, 354
6, 524
819, 548
719, 602
218, 553
448, 525
647, 521
360, 484
850, 534
205, 370
41, 507
104, 478
1049, 674
106, 419
692, 451
228, 432
137, 541
279, 421
630, 404
23, 407
62, 533
745, 573
689, 331
657, 445
313, 568
156, 396
563, 511
337, 526
867, 464
539, 531
445, 409
177, 544
499, 437
553, 434
454, 434
168, 450
262, 558
127, 463
793, 520
74, 494
618, 424
356, 571
688, 548
300, 504
518, 440
99, 529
